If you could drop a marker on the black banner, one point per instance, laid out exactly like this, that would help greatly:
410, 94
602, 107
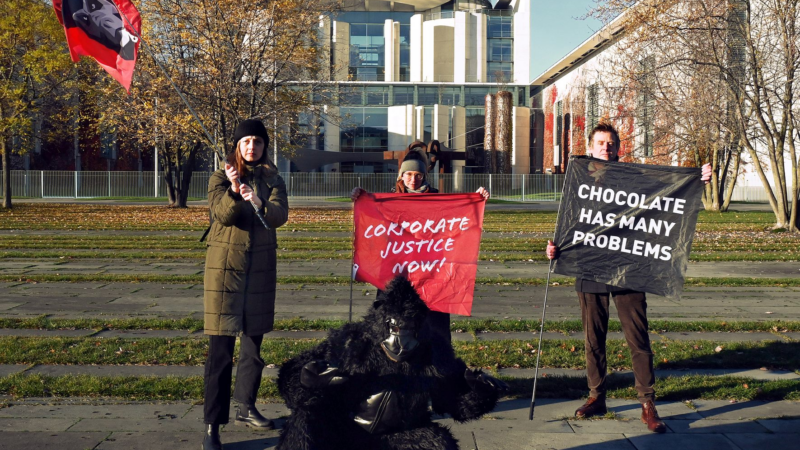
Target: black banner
628, 225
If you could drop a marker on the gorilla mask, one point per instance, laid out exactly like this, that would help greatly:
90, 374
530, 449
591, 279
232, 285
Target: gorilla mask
402, 340
395, 318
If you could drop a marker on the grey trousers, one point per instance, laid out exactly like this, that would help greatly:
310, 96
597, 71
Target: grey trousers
632, 311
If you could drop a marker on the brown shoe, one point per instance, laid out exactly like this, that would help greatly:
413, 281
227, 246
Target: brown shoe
650, 417
592, 407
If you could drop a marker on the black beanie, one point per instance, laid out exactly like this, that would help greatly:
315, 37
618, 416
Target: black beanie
251, 127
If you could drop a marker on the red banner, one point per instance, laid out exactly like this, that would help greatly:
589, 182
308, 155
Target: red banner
96, 28
432, 239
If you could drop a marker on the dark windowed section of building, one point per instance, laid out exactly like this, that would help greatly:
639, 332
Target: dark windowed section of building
367, 52
500, 41
364, 130
403, 95
308, 131
451, 96
427, 95
377, 95
475, 120
351, 95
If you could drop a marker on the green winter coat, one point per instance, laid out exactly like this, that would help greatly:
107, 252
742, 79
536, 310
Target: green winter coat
240, 275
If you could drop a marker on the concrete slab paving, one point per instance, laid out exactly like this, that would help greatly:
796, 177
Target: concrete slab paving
552, 441
765, 441
680, 441
133, 334
5, 306
781, 425
186, 440
36, 423
116, 371
136, 424
720, 337
715, 426
10, 369
45, 440
44, 333
632, 410
105, 411
748, 410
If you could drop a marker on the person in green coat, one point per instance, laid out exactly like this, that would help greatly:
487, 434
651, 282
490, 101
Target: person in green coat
240, 277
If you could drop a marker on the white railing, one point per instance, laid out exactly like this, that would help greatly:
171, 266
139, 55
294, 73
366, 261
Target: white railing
526, 188
70, 184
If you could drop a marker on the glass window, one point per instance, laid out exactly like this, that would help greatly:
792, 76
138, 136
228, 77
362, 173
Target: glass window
500, 72
377, 95
451, 96
350, 95
475, 96
499, 27
364, 130
427, 95
501, 50
403, 95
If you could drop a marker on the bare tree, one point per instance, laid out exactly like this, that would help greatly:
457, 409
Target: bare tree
726, 70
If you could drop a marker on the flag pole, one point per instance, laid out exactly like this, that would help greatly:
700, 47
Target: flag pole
213, 142
539, 349
544, 311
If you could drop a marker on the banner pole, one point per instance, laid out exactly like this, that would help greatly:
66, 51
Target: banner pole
544, 306
213, 142
539, 350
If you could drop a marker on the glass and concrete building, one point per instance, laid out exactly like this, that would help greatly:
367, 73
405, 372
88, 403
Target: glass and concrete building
420, 70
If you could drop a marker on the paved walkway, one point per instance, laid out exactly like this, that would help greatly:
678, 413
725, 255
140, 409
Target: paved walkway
701, 425
314, 301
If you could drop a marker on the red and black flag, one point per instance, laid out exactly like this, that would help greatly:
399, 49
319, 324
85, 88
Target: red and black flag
98, 29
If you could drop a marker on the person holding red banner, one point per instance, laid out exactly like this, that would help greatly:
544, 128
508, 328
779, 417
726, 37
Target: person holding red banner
631, 309
240, 278
412, 178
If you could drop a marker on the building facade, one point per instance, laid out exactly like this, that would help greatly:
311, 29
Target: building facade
420, 70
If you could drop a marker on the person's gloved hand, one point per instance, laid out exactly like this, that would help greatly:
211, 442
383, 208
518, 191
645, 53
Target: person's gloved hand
478, 380
320, 374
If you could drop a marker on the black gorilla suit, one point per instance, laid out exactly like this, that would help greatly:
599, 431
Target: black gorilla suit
353, 391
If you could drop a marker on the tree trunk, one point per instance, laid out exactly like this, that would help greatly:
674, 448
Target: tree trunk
167, 164
186, 176
6, 174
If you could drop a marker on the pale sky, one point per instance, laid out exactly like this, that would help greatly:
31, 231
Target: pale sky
557, 29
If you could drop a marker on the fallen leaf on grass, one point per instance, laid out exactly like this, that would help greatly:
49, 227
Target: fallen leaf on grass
718, 349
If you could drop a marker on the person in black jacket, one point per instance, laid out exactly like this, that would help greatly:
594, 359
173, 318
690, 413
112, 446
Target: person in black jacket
631, 308
372, 384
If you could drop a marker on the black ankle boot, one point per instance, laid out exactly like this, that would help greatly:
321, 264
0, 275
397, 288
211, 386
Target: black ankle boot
249, 415
211, 440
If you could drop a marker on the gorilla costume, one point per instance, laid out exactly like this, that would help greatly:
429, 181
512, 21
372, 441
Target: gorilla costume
372, 384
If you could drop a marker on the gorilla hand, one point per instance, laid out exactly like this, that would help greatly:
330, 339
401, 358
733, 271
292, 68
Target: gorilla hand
320, 374
479, 381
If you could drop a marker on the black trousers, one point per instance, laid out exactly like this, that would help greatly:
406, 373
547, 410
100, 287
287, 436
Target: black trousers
632, 311
219, 371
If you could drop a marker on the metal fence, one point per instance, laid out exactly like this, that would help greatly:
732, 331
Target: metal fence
523, 188
70, 184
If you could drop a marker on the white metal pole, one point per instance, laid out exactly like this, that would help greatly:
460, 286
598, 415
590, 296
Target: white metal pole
155, 155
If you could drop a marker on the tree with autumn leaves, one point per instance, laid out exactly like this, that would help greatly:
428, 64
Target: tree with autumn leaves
719, 77
231, 60
34, 68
